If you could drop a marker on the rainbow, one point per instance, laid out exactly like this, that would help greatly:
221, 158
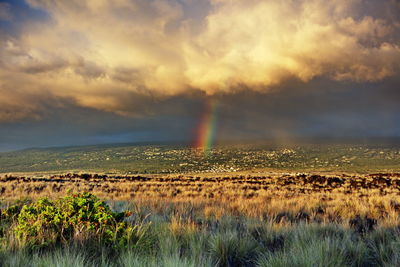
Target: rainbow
205, 134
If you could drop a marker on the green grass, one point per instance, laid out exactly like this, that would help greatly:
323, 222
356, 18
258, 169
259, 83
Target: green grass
302, 248
187, 239
178, 159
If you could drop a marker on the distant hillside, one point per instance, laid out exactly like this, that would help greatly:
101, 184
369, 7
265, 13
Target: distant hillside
168, 158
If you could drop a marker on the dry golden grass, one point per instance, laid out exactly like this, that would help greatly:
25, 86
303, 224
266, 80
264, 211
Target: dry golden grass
283, 198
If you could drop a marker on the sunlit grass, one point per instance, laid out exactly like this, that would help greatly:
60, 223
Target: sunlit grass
276, 228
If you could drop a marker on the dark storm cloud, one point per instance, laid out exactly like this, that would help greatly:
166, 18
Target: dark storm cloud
318, 107
341, 109
68, 124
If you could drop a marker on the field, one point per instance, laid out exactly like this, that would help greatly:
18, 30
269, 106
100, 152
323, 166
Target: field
336, 205
169, 158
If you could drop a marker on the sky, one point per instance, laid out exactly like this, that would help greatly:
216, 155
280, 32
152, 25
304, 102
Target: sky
96, 71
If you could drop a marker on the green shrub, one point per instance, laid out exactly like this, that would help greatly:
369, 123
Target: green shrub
78, 217
9, 215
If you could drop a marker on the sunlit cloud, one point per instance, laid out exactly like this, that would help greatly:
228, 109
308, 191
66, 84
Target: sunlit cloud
102, 54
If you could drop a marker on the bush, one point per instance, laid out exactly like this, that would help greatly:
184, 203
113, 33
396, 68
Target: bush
78, 217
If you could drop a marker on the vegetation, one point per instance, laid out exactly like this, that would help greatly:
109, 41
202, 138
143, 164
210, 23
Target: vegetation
81, 230
224, 158
81, 216
235, 206
289, 197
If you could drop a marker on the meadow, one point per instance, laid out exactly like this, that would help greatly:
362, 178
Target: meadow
170, 205
208, 219
175, 158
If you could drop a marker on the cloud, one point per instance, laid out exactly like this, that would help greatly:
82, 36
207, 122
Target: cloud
112, 56
295, 110
5, 12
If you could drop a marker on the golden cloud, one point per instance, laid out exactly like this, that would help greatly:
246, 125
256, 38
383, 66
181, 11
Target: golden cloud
96, 51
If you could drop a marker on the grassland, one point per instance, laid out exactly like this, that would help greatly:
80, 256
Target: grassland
304, 206
183, 159
268, 219
263, 195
